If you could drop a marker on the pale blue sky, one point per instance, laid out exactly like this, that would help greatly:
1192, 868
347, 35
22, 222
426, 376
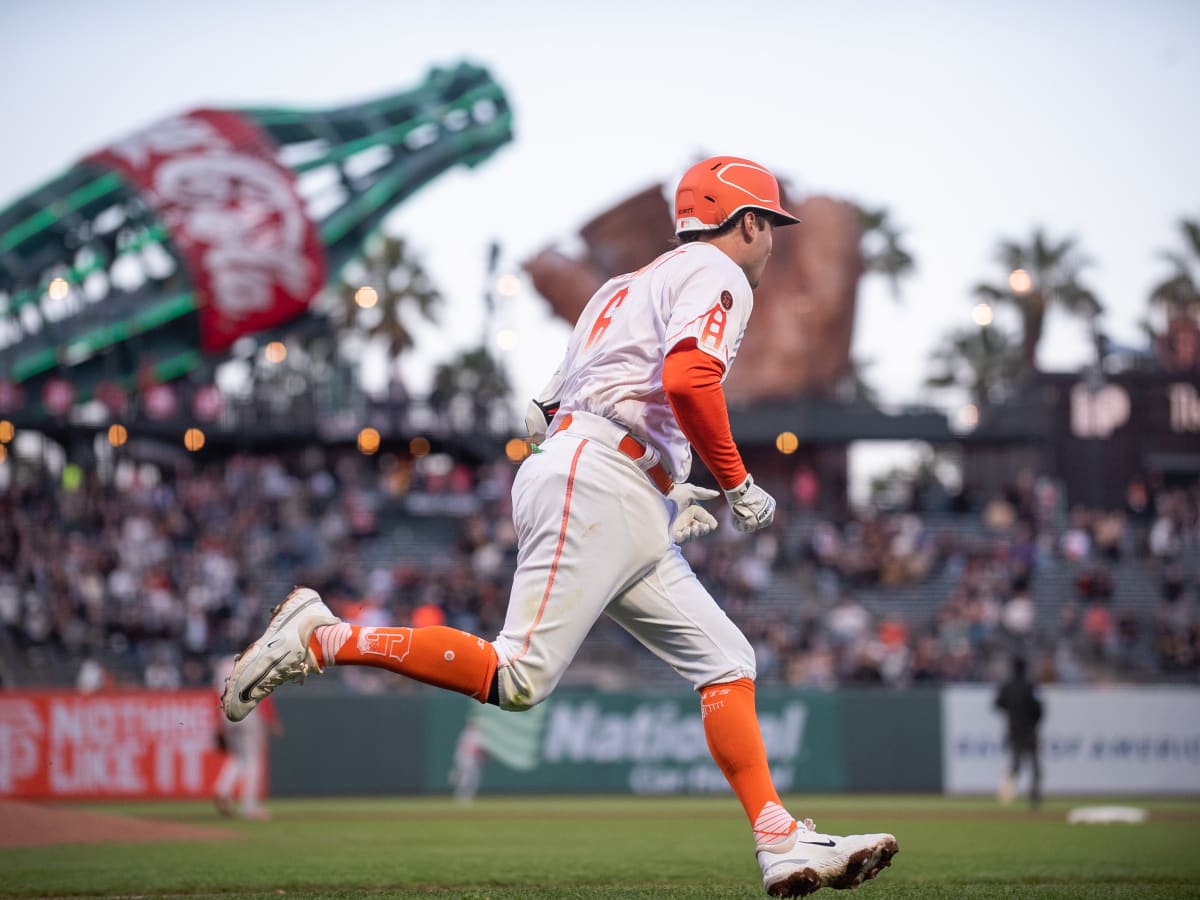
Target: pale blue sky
969, 120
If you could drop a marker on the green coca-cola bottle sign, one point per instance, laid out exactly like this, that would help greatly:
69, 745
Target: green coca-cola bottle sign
163, 248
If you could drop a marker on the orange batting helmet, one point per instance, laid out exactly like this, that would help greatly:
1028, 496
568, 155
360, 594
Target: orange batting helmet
715, 190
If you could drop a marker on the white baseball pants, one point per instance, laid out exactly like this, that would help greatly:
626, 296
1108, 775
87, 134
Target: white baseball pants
593, 538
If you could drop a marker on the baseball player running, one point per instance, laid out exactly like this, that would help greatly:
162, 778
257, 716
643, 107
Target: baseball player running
600, 512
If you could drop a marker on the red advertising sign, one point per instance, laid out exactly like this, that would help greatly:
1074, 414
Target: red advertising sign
108, 745
235, 215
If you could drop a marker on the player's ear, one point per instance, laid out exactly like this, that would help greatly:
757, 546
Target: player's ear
749, 225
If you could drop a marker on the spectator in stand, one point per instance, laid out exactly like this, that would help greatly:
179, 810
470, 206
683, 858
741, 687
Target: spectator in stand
1099, 630
156, 576
999, 515
1018, 614
92, 676
1076, 542
1108, 535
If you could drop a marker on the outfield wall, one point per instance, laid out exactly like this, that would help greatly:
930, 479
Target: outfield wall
142, 744
1115, 739
1106, 740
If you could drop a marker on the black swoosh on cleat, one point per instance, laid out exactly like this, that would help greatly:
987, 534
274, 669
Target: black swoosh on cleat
245, 692
295, 612
813, 843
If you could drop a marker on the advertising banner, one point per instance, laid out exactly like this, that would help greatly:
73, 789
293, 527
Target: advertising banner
639, 743
1107, 741
108, 745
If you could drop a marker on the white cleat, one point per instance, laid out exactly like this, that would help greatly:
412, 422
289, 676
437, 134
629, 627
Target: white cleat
808, 860
280, 655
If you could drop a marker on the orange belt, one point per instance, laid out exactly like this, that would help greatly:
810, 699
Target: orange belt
636, 450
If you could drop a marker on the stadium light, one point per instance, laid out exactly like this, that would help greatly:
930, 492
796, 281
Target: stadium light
117, 435
193, 439
6, 431
968, 416
58, 288
982, 314
507, 285
419, 447
517, 449
366, 297
1020, 281
276, 352
368, 441
787, 443
506, 339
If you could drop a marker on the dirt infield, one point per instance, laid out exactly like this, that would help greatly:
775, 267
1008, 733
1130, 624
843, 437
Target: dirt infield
36, 825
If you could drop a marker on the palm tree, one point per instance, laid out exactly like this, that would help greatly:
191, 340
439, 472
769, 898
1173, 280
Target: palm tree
1180, 292
399, 282
985, 361
1177, 344
1040, 273
855, 388
882, 254
325, 348
881, 248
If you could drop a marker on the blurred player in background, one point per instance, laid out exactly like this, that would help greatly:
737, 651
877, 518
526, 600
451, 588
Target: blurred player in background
1022, 709
239, 786
600, 510
470, 753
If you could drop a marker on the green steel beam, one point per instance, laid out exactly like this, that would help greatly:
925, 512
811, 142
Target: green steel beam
44, 218
397, 133
156, 234
107, 335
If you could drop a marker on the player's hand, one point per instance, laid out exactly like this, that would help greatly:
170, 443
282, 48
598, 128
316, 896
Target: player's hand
691, 520
537, 419
752, 507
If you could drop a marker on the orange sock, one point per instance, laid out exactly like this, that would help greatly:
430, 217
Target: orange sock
437, 655
735, 742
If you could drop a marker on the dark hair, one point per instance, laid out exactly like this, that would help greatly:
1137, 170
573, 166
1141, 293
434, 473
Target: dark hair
690, 237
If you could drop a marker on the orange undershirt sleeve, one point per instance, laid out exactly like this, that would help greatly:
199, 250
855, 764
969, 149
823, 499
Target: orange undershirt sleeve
692, 381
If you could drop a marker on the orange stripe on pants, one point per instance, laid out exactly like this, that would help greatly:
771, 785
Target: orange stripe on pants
562, 539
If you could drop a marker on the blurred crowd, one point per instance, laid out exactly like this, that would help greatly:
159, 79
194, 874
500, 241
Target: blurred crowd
144, 576
148, 576
902, 598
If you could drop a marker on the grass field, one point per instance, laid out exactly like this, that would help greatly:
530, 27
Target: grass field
615, 847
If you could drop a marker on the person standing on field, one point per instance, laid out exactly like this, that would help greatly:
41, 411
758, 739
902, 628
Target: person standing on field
600, 511
470, 753
1022, 709
239, 786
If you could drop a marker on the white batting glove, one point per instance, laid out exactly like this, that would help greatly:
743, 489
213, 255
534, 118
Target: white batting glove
752, 507
537, 419
691, 519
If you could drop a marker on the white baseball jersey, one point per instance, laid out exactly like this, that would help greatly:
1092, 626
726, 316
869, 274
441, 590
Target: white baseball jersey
614, 361
593, 532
